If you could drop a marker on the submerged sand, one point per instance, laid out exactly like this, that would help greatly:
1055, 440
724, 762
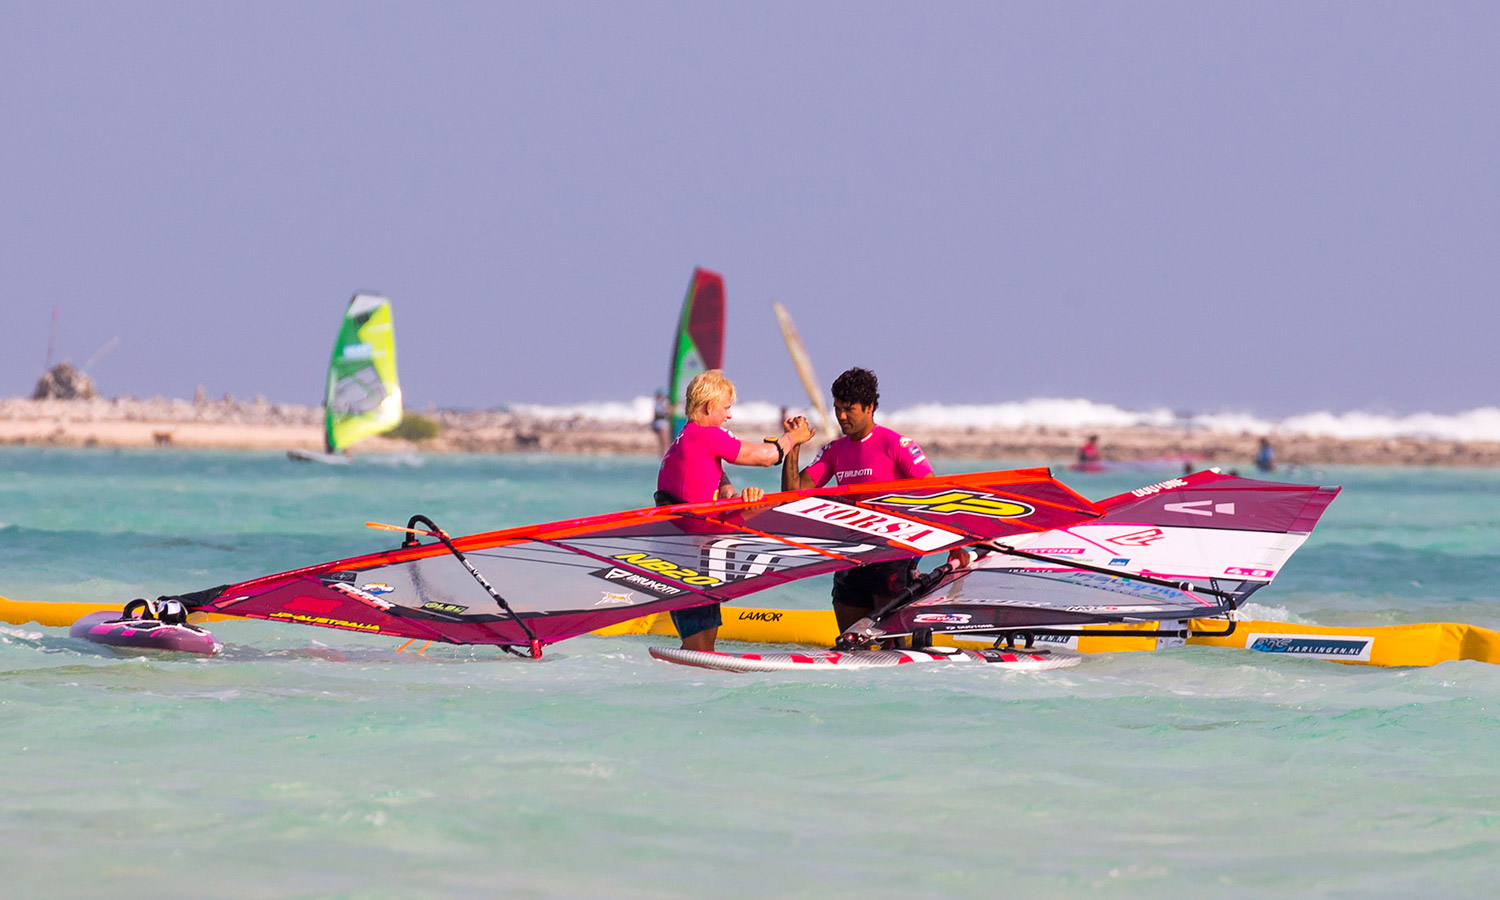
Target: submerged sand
260, 425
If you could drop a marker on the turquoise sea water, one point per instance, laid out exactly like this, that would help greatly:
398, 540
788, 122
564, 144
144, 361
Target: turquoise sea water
313, 763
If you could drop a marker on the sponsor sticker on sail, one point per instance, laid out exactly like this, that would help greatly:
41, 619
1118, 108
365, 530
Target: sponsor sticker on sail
942, 619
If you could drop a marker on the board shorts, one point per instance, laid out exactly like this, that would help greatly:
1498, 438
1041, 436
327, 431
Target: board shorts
694, 619
867, 586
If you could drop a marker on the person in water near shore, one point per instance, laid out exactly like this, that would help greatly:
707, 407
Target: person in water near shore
1265, 458
1089, 452
692, 471
661, 421
866, 453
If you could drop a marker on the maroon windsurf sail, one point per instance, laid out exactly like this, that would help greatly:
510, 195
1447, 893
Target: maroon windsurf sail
698, 344
705, 316
1213, 500
567, 578
1228, 535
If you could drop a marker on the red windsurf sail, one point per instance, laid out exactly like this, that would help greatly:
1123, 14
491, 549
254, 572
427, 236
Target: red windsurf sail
1228, 535
567, 578
698, 344
1238, 532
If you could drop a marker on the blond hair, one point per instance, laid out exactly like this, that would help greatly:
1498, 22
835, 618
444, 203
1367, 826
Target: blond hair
705, 388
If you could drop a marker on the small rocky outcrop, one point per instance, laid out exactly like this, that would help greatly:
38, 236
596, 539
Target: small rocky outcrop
64, 382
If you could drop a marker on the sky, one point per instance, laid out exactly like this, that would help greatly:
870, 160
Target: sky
1270, 207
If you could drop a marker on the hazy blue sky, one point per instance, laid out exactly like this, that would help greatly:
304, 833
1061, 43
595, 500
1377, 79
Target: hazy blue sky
1271, 207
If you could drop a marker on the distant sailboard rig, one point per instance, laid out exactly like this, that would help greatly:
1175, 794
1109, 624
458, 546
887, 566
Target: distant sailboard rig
522, 588
698, 344
64, 381
362, 396
803, 364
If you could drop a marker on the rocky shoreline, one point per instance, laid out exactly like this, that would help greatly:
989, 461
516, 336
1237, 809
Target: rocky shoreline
261, 425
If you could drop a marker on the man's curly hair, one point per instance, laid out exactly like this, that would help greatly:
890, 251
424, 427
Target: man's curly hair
857, 386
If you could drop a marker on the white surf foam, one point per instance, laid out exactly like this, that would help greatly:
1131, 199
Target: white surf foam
1481, 424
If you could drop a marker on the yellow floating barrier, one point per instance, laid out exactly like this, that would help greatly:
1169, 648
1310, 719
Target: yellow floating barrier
61, 615
1423, 644
56, 615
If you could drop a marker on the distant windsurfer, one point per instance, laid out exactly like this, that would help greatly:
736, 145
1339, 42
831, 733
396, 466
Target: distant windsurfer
866, 453
661, 421
1089, 452
1265, 458
692, 471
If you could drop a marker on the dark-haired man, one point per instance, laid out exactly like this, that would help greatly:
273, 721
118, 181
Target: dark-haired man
866, 453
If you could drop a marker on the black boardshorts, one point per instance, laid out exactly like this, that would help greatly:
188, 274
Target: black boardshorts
693, 619
868, 586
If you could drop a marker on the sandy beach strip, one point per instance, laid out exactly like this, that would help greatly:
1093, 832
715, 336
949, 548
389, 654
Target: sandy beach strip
260, 425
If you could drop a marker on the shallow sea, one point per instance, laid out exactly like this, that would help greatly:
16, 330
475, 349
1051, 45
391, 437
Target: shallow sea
312, 763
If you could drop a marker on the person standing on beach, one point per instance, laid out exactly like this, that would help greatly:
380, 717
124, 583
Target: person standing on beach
1089, 452
866, 453
661, 421
1265, 458
692, 471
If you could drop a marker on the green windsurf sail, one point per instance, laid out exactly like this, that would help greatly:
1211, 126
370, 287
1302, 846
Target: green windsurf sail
699, 344
364, 397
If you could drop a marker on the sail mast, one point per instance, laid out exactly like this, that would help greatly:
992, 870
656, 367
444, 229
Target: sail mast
803, 364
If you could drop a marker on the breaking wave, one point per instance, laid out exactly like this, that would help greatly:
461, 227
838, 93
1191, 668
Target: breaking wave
1481, 424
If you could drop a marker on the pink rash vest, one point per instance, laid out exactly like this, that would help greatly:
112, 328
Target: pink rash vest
883, 455
694, 465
